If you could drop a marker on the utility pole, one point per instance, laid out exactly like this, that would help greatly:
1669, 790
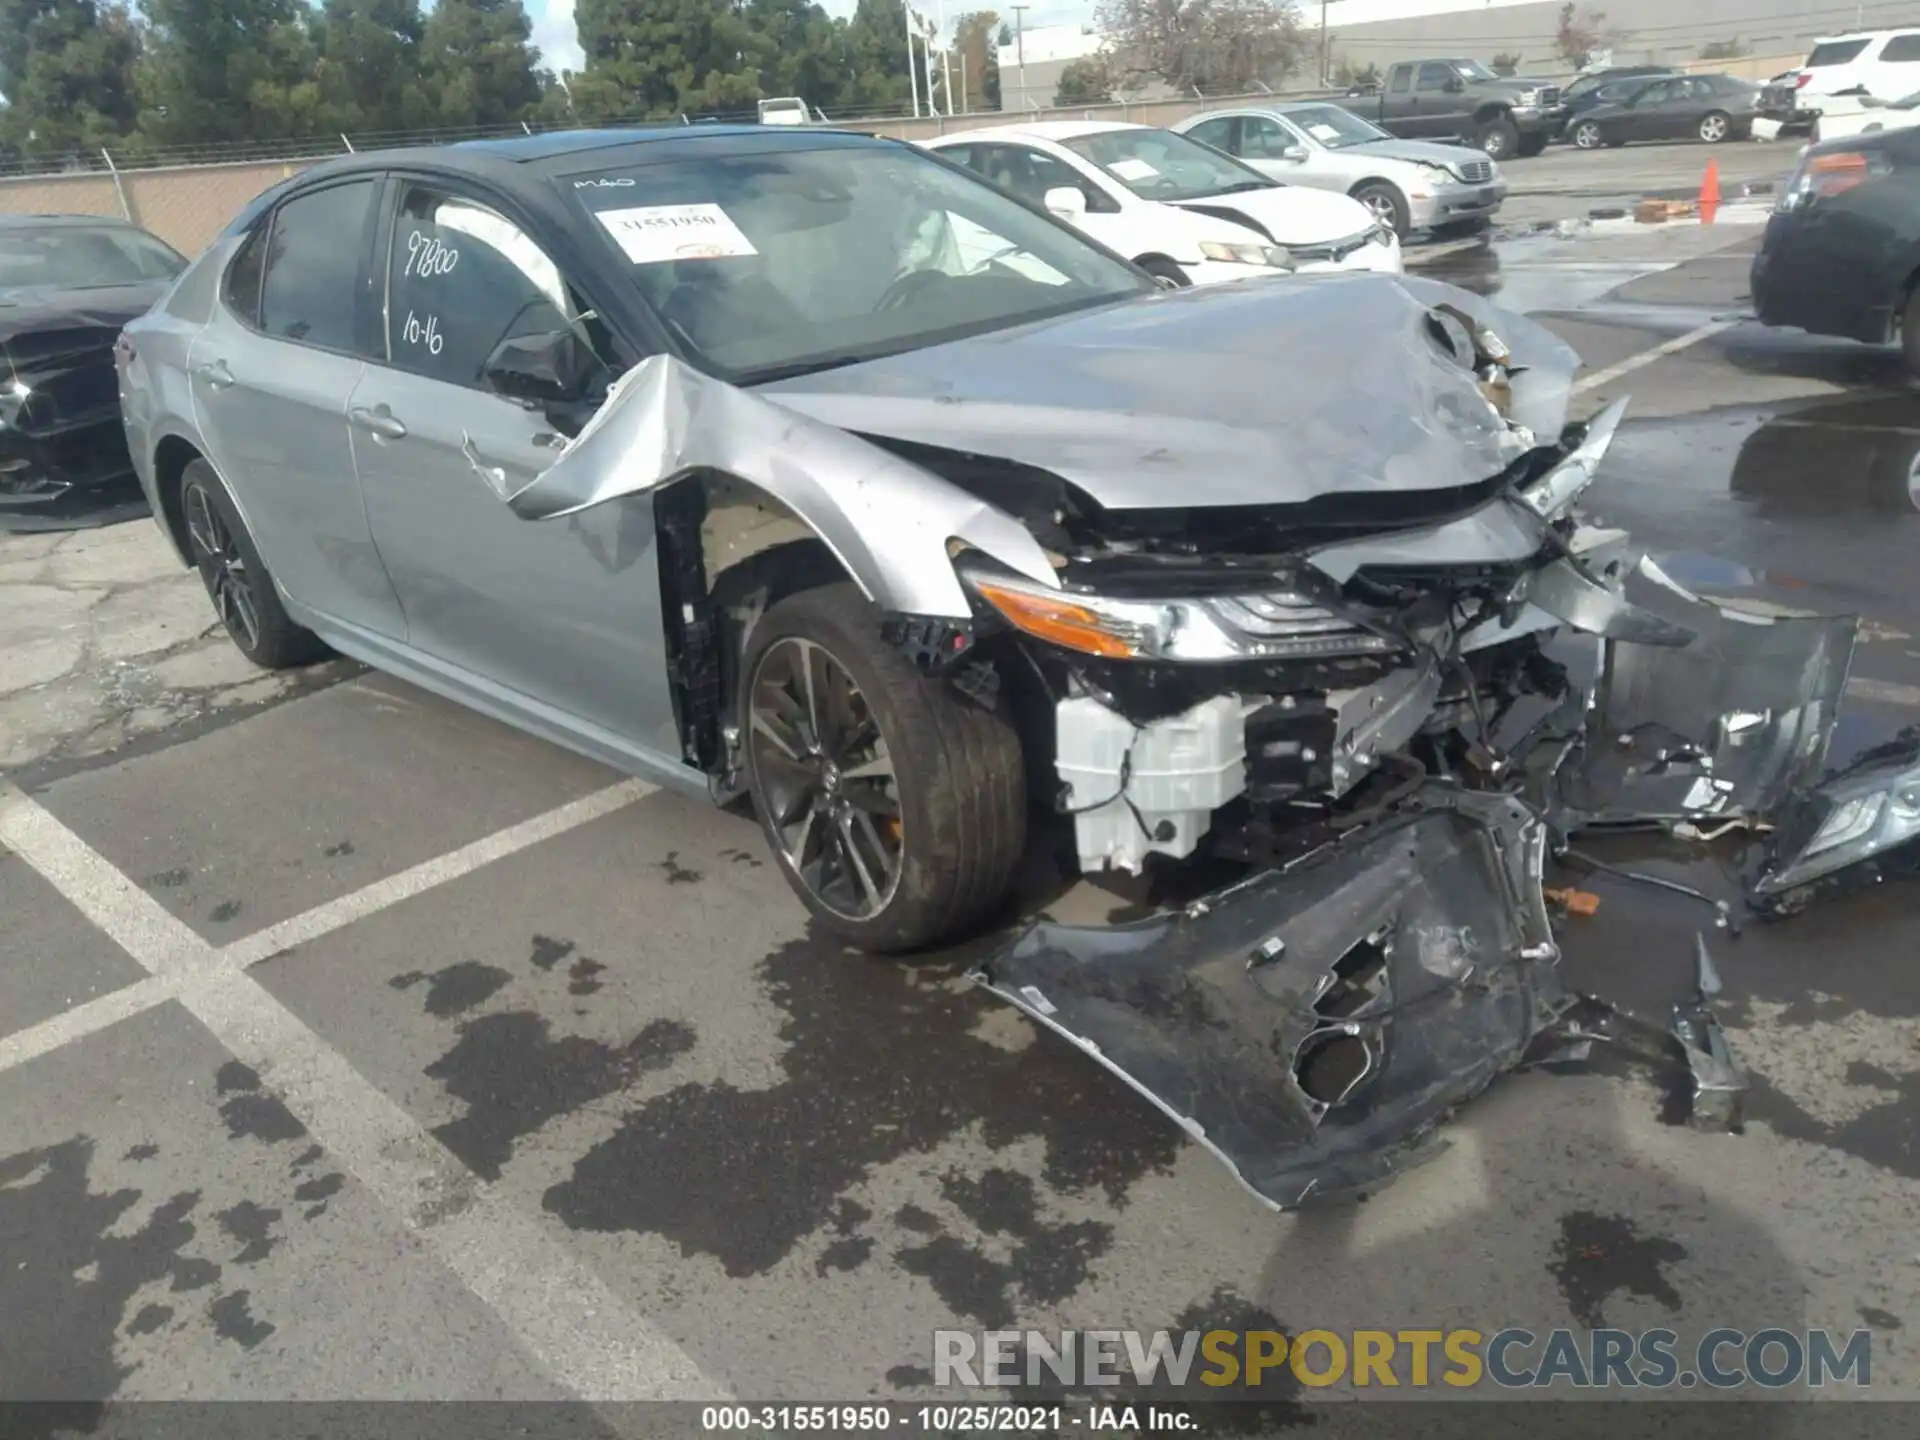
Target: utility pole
913, 78
946, 58
1020, 50
1326, 74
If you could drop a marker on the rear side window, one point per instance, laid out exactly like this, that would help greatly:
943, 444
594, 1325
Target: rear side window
1902, 49
241, 287
311, 288
1402, 79
1836, 52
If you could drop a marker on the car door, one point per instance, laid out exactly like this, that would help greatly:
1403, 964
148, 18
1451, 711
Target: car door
1030, 173
1646, 114
271, 374
1436, 109
1265, 142
564, 614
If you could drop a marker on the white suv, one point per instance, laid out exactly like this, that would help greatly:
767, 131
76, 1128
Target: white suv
1884, 63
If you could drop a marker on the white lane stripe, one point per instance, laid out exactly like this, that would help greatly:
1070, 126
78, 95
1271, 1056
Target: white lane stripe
587, 1337
1647, 357
83, 1020
1886, 692
132, 919
324, 919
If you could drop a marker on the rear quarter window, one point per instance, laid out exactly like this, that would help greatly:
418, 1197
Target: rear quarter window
1902, 49
1836, 52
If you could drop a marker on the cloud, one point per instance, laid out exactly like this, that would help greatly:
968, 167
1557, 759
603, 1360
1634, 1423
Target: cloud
554, 33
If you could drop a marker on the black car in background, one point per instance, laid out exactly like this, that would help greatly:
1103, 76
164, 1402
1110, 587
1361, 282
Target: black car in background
1711, 108
1842, 248
67, 285
1606, 87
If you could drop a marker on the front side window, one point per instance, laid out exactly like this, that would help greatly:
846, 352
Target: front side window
1217, 133
1335, 128
1030, 174
460, 281
1264, 138
1160, 165
311, 289
83, 257
1435, 77
789, 260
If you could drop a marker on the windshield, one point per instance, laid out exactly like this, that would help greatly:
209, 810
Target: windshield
1473, 70
1160, 165
793, 260
83, 257
1335, 128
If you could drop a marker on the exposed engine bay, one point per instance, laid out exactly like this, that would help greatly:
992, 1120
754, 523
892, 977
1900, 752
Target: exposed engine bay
1392, 702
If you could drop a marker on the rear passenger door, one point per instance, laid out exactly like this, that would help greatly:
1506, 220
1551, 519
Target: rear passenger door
271, 374
553, 618
1436, 109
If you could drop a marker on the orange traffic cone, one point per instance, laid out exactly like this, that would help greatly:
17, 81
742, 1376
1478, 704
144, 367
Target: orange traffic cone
1710, 193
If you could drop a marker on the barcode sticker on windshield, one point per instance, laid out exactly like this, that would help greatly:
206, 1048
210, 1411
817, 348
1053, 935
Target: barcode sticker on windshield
649, 234
1132, 169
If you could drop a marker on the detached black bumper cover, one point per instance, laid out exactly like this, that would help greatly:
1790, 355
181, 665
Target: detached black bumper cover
1311, 1025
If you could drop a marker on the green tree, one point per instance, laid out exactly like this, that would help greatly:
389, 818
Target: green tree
67, 70
1219, 46
369, 72
659, 58
214, 70
1505, 63
1084, 82
803, 50
973, 37
877, 57
477, 65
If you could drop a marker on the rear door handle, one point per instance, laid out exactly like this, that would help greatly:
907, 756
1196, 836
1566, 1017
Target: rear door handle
215, 373
380, 421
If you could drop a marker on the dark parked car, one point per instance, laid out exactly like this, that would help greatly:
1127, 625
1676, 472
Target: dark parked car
1605, 87
1711, 108
1842, 248
1462, 100
67, 285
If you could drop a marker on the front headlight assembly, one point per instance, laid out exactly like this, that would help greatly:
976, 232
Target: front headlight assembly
1268, 625
1250, 253
1857, 816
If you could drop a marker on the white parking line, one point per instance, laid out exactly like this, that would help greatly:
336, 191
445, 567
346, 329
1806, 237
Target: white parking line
1647, 357
323, 919
1885, 692
588, 1338
84, 1020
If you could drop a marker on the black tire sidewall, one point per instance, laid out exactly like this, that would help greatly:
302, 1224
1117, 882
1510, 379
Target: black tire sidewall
281, 642
1167, 270
1509, 135
901, 700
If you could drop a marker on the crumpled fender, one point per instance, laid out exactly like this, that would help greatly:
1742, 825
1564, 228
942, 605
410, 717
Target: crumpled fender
886, 519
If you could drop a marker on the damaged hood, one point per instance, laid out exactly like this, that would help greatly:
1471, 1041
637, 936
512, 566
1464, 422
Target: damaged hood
33, 310
1272, 393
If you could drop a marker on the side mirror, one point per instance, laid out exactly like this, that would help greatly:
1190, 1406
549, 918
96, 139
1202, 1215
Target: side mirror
1455, 85
1069, 202
1295, 154
554, 368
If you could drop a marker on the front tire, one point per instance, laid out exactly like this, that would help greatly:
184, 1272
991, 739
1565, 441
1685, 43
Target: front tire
1498, 138
1387, 203
1715, 127
895, 806
1169, 274
1588, 136
236, 578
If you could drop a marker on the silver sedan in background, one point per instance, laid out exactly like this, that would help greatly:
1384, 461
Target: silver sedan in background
1411, 184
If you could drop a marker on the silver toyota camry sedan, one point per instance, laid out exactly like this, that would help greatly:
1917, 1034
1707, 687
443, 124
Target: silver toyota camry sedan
803, 468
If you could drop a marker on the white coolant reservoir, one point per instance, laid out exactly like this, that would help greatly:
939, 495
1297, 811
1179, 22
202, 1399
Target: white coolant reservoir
1181, 770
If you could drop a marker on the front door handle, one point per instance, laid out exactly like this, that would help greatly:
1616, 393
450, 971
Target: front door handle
215, 373
381, 421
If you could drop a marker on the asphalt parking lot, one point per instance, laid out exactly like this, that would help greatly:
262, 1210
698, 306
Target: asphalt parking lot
357, 1047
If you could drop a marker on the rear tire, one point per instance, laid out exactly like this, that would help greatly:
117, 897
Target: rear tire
902, 804
1387, 203
237, 580
1498, 138
1170, 275
1715, 127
